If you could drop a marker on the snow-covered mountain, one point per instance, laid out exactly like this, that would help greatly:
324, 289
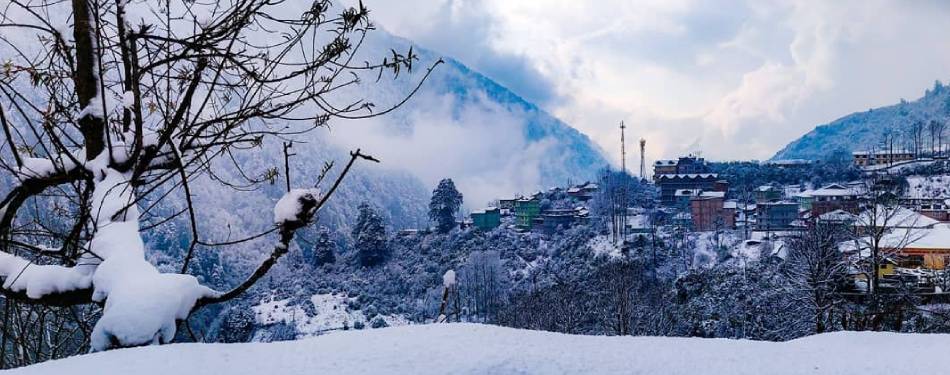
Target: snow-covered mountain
465, 126
860, 130
483, 349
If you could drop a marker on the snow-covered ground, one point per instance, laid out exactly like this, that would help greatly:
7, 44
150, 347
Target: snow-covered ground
483, 349
329, 312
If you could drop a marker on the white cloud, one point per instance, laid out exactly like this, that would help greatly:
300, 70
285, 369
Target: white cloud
736, 79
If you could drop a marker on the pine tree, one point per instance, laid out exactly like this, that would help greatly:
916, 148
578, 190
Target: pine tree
370, 237
324, 250
446, 201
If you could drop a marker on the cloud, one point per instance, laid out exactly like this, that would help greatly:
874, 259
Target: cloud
480, 145
736, 79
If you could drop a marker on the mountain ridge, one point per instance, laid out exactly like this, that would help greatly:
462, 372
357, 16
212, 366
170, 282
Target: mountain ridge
861, 130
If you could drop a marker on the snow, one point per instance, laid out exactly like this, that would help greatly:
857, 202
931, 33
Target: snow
142, 306
20, 275
448, 280
484, 349
288, 208
331, 312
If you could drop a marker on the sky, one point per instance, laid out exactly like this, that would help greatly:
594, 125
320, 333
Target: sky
732, 80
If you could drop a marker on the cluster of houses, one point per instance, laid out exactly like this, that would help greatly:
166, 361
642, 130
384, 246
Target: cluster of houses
697, 198
528, 214
691, 195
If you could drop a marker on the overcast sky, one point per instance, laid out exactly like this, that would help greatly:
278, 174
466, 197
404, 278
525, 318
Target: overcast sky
731, 79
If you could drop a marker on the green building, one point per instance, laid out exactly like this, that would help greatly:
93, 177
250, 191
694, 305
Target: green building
526, 210
487, 219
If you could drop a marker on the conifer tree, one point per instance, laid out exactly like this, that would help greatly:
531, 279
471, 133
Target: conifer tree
446, 201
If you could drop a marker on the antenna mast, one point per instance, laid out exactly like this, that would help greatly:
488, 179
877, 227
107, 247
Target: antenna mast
643, 166
623, 150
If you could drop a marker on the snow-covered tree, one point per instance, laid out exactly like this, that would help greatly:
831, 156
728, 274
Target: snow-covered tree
445, 203
324, 250
370, 237
109, 107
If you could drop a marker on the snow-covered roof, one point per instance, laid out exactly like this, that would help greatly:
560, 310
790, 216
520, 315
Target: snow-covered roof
895, 217
713, 194
834, 190
730, 204
687, 175
837, 215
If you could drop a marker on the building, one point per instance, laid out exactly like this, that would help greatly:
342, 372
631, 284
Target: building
553, 220
934, 208
526, 210
669, 184
583, 192
776, 215
767, 193
834, 197
804, 199
710, 211
487, 219
872, 158
683, 165
664, 167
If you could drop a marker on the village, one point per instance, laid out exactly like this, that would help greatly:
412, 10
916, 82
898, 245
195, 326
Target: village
903, 219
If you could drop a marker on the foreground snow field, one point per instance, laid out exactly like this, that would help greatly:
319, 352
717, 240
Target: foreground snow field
483, 349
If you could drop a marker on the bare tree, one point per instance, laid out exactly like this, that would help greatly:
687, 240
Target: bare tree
130, 105
815, 271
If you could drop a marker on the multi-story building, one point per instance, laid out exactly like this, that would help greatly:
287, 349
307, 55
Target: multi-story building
487, 219
767, 193
688, 173
776, 215
834, 197
710, 211
526, 210
872, 158
669, 184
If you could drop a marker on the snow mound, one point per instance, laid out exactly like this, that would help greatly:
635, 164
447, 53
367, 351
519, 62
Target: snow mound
329, 312
484, 349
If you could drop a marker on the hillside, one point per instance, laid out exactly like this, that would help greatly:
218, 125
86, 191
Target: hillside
860, 130
482, 349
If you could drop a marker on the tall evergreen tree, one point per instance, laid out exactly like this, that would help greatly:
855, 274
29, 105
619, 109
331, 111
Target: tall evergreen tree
446, 201
370, 237
324, 250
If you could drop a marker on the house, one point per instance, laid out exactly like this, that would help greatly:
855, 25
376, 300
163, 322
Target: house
557, 219
767, 193
934, 208
526, 210
710, 211
872, 158
669, 184
487, 219
834, 197
664, 167
776, 215
804, 199
583, 192
507, 204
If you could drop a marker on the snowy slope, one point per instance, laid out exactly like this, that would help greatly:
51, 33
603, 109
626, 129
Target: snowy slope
858, 131
482, 349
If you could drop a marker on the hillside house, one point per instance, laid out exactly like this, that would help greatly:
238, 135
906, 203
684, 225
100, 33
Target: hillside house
872, 158
670, 183
834, 197
526, 210
487, 219
710, 211
776, 215
767, 193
